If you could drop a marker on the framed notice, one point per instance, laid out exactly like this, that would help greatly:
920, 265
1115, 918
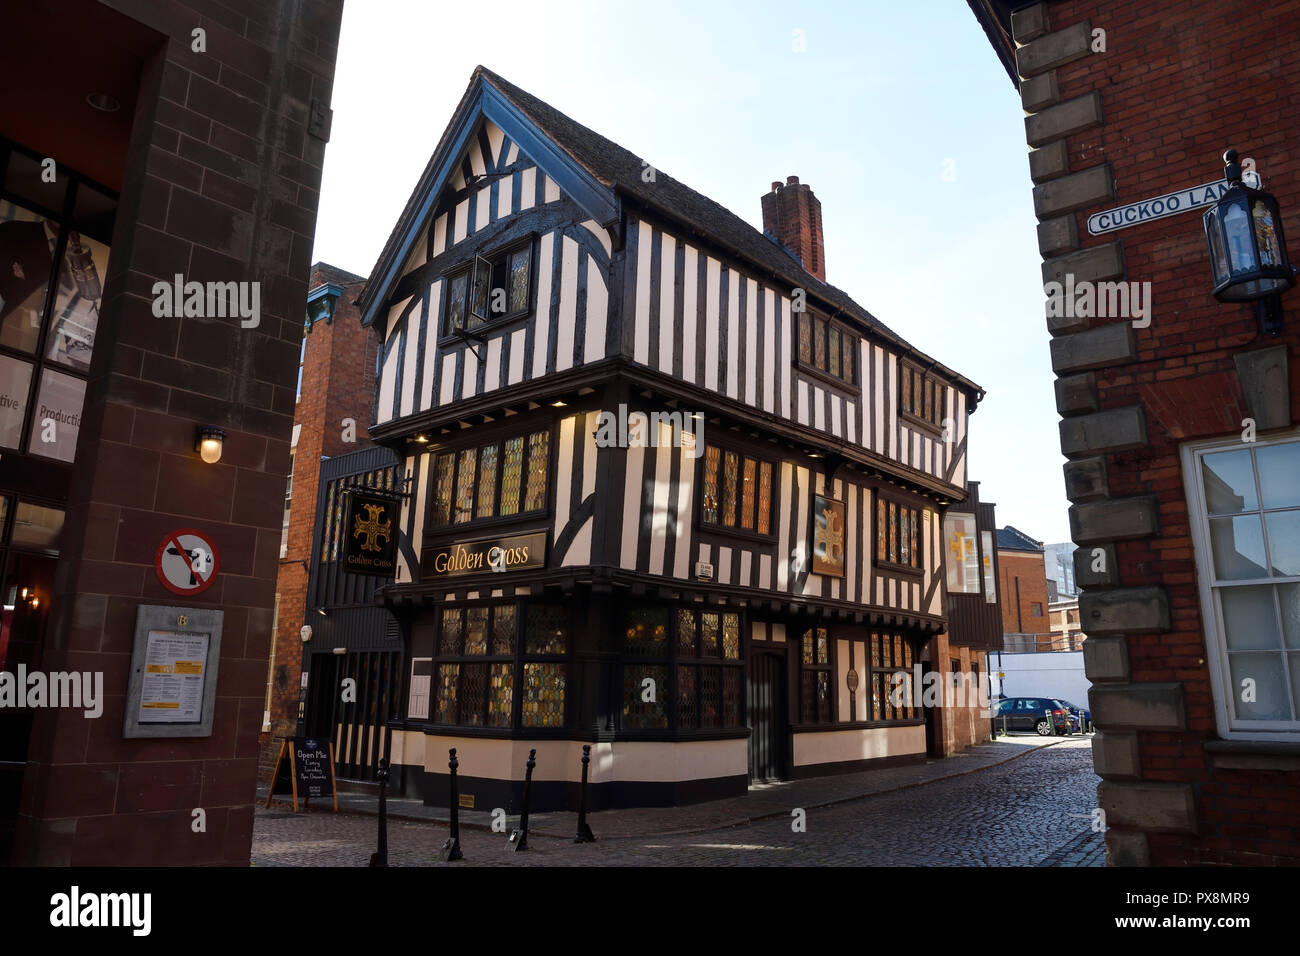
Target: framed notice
828, 536
173, 682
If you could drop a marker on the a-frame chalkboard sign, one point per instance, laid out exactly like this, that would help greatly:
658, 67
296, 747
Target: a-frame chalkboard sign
309, 771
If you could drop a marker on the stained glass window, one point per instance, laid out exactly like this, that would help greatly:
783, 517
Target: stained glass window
893, 531
501, 695
807, 648
487, 481
452, 630
473, 694
814, 681
638, 711
710, 696
647, 632
805, 338
479, 294
912, 524
503, 629
748, 493
835, 352
686, 632
464, 509
709, 631
512, 476
882, 526
448, 678
543, 699
904, 537
731, 636
819, 344
476, 620
730, 473
538, 460
712, 455
545, 629
456, 302
688, 711
846, 359
519, 280
823, 654
764, 498
731, 697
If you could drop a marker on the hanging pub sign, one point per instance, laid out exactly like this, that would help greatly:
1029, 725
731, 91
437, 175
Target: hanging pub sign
370, 533
494, 554
828, 536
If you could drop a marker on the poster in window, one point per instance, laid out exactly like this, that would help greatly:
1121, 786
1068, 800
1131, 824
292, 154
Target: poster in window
961, 560
990, 579
15, 384
27, 244
75, 316
57, 421
828, 536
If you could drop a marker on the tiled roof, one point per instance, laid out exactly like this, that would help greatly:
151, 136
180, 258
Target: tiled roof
1013, 539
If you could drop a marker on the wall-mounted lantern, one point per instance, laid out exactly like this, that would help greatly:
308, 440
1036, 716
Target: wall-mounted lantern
1247, 248
209, 443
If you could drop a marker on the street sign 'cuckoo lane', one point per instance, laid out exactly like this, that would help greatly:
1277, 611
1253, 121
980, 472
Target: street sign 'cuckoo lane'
1170, 204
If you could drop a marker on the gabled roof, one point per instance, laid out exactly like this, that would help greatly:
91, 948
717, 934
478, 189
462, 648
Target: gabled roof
618, 171
1013, 539
322, 273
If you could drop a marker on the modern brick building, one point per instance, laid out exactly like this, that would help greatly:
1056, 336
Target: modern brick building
1023, 584
146, 143
1179, 418
335, 401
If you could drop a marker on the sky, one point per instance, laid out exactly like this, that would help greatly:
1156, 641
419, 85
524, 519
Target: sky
898, 115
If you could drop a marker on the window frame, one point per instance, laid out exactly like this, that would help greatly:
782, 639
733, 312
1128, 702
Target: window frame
498, 438
934, 385
918, 552
1212, 624
810, 367
828, 667
446, 336
703, 524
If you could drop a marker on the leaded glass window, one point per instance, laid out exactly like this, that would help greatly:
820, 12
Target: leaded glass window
819, 343
805, 338
835, 352
538, 461
476, 622
712, 457
686, 632
512, 473
472, 690
749, 492
456, 302
647, 632
546, 629
644, 703
519, 279
814, 679
448, 680
764, 498
710, 697
737, 491
442, 483
453, 630
464, 509
688, 709
473, 693
543, 698
487, 481
503, 629
731, 636
730, 472
709, 634
501, 695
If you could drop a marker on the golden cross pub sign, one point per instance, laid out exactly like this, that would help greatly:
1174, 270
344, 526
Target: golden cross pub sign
370, 538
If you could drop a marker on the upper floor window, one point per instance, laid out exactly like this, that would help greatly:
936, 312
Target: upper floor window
494, 480
497, 286
920, 396
898, 534
1245, 504
827, 347
737, 491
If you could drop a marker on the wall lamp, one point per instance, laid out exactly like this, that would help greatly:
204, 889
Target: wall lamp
209, 443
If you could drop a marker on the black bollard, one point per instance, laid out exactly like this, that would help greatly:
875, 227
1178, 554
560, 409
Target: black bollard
584, 831
451, 849
380, 858
519, 839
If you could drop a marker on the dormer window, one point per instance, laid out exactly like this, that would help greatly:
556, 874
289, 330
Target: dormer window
492, 288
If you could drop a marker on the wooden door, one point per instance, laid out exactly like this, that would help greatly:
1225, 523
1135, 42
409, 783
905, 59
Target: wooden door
768, 718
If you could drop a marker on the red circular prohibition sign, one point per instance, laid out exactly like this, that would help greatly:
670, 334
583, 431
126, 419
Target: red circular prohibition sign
187, 571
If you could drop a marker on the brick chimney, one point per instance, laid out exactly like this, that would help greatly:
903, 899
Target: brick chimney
793, 215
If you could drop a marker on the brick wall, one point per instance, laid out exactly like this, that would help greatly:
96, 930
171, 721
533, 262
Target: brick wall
338, 382
222, 185
1180, 82
1026, 570
960, 726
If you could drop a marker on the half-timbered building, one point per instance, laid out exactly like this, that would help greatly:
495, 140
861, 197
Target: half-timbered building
668, 492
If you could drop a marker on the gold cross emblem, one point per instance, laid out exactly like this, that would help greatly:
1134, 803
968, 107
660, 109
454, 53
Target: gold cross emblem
371, 528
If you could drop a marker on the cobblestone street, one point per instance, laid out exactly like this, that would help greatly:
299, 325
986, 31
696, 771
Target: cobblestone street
1034, 809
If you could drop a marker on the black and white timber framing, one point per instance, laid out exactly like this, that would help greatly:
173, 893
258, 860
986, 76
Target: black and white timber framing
647, 295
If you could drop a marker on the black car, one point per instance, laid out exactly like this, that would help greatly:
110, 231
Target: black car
1043, 715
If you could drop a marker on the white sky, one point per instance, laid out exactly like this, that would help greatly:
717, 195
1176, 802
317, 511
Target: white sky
882, 100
